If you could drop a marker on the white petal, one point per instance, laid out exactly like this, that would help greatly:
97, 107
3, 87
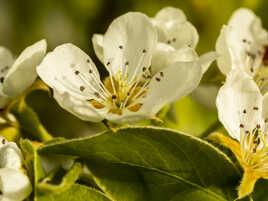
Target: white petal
81, 108
239, 104
161, 57
74, 78
206, 95
265, 112
68, 68
165, 54
224, 59
97, 41
179, 79
206, 59
129, 43
185, 53
169, 15
14, 185
23, 72
10, 155
129, 117
179, 35
6, 61
172, 24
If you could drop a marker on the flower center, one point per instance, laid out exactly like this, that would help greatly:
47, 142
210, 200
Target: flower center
254, 150
119, 91
253, 143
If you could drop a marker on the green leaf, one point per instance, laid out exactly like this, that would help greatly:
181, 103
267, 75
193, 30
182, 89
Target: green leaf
29, 121
146, 163
32, 162
67, 181
260, 190
76, 192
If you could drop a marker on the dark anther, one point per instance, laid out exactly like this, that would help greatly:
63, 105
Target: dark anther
265, 56
244, 111
251, 70
97, 94
241, 125
161, 74
144, 51
168, 41
113, 96
247, 132
108, 63
88, 61
144, 69
253, 56
90, 71
3, 141
174, 39
258, 126
244, 40
254, 150
149, 77
126, 63
255, 108
158, 79
120, 47
76, 72
2, 79
266, 120
82, 88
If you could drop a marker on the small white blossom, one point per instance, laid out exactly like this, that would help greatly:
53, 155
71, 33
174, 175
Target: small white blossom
136, 89
14, 184
243, 44
243, 110
17, 75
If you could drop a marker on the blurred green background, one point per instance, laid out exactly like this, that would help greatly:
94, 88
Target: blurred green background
23, 22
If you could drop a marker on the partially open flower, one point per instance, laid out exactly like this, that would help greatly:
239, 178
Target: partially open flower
19, 74
243, 110
135, 89
14, 184
243, 44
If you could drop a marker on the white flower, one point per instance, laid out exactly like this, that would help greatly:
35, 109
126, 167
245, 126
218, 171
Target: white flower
17, 75
177, 40
134, 90
14, 184
243, 110
243, 44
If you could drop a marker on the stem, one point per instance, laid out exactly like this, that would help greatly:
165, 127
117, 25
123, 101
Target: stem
30, 122
211, 129
247, 184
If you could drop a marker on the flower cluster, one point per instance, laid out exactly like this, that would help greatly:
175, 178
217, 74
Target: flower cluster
242, 101
150, 62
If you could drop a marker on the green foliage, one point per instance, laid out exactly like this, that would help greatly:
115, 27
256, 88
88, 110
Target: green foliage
76, 192
153, 164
